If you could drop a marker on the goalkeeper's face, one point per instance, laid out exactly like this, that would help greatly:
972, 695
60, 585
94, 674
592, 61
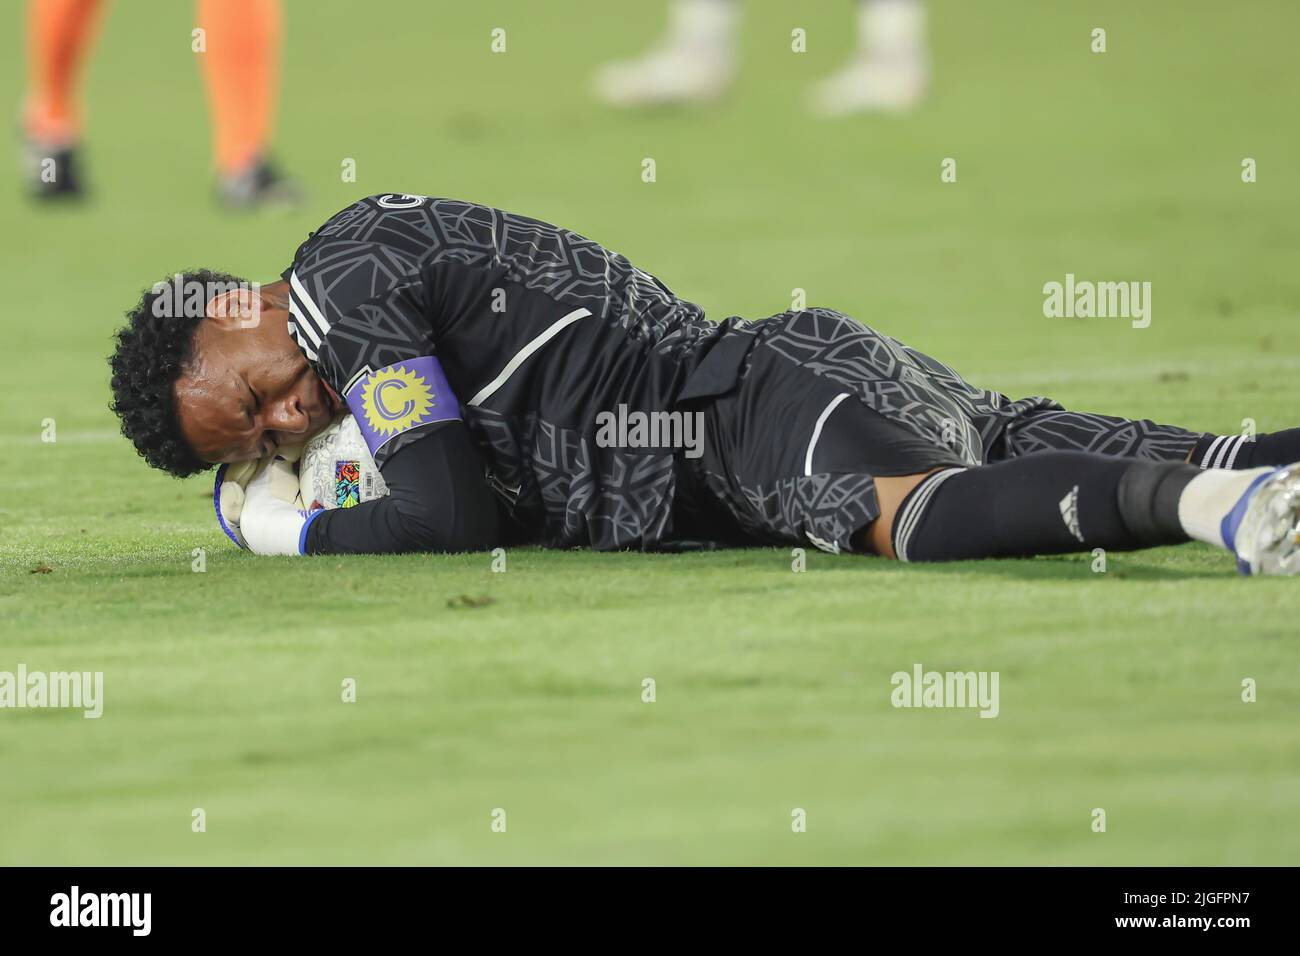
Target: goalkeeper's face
249, 389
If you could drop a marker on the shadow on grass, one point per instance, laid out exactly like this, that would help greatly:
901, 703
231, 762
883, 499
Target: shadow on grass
1136, 566
155, 563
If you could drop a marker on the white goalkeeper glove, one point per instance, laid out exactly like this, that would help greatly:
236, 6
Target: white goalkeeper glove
259, 507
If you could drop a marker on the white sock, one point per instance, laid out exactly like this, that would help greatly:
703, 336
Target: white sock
891, 29
703, 24
1208, 498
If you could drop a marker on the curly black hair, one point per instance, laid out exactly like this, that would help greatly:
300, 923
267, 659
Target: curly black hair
155, 346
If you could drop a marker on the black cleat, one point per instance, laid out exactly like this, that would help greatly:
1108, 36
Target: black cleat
259, 186
53, 174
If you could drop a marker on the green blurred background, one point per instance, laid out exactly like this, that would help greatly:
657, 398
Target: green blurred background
1119, 690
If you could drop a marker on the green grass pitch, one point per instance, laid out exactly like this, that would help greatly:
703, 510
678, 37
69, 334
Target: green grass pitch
1119, 690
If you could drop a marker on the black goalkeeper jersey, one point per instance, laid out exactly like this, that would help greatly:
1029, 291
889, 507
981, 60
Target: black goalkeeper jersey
422, 311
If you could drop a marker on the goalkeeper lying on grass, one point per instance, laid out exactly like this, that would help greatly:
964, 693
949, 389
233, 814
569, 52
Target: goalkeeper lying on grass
478, 351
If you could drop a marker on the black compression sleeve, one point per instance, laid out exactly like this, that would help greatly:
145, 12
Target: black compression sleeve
438, 500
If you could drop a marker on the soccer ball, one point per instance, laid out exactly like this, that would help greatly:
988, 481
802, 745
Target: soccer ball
336, 469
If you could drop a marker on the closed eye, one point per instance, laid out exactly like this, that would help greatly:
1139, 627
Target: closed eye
265, 444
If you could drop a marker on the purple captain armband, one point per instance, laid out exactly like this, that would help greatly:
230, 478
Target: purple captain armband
399, 397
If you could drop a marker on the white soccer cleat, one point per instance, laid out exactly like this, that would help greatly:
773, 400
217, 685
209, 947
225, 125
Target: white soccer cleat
870, 85
1263, 529
891, 71
665, 77
693, 64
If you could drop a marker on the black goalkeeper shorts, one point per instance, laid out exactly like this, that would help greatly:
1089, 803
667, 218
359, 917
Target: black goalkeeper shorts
790, 456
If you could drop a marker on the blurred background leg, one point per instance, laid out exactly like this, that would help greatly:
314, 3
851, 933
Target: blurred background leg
241, 69
59, 33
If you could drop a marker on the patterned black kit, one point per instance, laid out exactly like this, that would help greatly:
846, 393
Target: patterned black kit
541, 334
